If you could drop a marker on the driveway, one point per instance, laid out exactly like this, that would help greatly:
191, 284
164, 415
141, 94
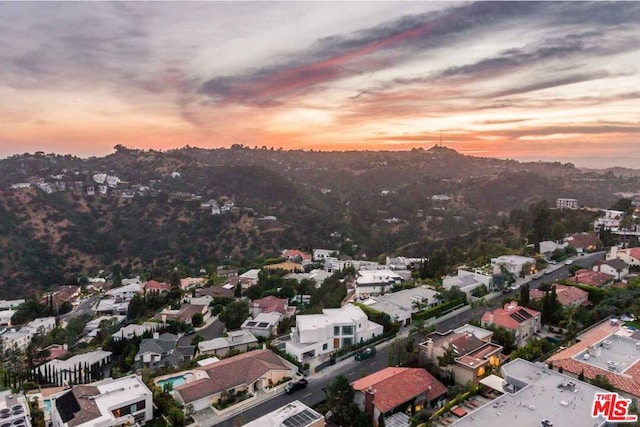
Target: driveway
214, 330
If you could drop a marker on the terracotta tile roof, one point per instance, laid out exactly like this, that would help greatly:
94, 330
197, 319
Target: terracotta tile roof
583, 240
154, 285
591, 278
627, 383
509, 318
270, 304
244, 369
395, 386
296, 253
567, 295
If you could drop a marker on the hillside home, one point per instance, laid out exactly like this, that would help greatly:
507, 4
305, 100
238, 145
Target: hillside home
614, 267
322, 254
512, 264
270, 304
10, 304
400, 305
92, 327
111, 307
162, 350
404, 263
184, 314
591, 278
6, 316
249, 372
107, 403
249, 278
240, 341
568, 296
523, 321
530, 394
15, 340
293, 414
127, 292
376, 282
41, 325
547, 247
318, 334
153, 286
132, 331
396, 390
609, 350
610, 220
472, 348
583, 242
263, 325
630, 256
296, 255
467, 281
191, 282
567, 203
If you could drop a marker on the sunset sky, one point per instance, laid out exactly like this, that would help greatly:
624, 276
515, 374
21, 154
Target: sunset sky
523, 80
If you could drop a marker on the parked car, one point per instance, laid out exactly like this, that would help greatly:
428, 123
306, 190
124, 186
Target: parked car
547, 272
296, 385
569, 262
367, 353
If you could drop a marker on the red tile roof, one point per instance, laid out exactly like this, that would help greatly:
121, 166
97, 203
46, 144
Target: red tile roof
627, 383
591, 278
567, 295
295, 253
583, 240
395, 386
503, 316
244, 369
154, 285
270, 304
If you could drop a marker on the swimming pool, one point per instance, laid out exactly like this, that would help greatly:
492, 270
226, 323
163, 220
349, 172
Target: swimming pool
174, 381
47, 406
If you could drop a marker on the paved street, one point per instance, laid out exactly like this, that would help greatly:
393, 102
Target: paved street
314, 394
214, 330
85, 307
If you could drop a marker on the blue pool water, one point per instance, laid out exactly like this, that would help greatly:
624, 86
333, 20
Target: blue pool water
175, 382
47, 406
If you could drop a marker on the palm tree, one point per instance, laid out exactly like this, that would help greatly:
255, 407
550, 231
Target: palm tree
419, 304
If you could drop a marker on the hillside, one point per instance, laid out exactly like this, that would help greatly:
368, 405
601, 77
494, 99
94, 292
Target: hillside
366, 203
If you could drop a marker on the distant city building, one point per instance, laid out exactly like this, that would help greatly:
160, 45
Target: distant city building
567, 203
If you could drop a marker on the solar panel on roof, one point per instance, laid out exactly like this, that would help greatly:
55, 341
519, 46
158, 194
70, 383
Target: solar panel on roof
301, 419
251, 323
263, 324
525, 314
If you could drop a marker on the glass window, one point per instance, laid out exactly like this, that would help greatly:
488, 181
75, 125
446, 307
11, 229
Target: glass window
347, 330
336, 331
325, 346
347, 341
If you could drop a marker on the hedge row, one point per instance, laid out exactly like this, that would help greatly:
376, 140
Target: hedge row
438, 310
595, 294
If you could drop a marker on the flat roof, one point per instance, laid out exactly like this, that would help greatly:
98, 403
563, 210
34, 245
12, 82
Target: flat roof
544, 395
294, 414
615, 353
479, 332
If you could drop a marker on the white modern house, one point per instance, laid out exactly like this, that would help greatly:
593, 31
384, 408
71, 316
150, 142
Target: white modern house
240, 340
512, 263
322, 254
467, 281
41, 325
399, 305
609, 220
263, 325
376, 282
107, 403
318, 334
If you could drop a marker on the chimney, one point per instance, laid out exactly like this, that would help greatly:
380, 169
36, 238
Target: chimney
369, 394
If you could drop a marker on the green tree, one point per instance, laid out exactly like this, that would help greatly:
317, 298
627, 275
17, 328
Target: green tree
197, 319
340, 402
253, 292
398, 353
524, 295
234, 314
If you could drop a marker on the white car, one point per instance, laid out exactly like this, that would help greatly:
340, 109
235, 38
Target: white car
569, 262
